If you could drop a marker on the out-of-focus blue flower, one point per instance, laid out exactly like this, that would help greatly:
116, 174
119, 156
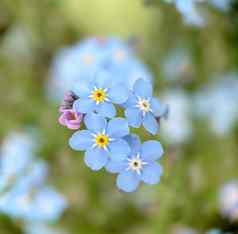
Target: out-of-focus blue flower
99, 94
190, 12
23, 193
140, 165
16, 154
177, 65
102, 140
220, 98
229, 200
41, 228
33, 176
142, 107
223, 5
75, 64
217, 231
178, 127
36, 204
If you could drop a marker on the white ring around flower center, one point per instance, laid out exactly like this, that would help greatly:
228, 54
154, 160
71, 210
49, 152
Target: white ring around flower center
144, 105
136, 164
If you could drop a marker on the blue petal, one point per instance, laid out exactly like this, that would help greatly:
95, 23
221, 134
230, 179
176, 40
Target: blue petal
83, 88
96, 158
151, 173
118, 127
156, 107
134, 142
118, 94
150, 124
128, 181
119, 150
151, 150
107, 109
103, 79
143, 88
134, 116
95, 122
86, 105
81, 140
131, 101
115, 167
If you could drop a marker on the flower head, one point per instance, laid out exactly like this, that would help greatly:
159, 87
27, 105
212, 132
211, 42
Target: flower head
143, 108
139, 165
102, 140
99, 94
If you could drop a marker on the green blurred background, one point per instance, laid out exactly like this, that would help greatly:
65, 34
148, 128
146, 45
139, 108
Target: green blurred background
32, 31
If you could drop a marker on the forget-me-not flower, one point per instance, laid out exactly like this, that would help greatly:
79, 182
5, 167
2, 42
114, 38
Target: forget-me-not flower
99, 94
102, 140
76, 63
139, 165
142, 107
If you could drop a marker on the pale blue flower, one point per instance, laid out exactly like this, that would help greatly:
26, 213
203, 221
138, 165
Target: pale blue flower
42, 228
178, 126
99, 94
190, 12
139, 165
219, 97
33, 176
223, 5
177, 65
143, 108
102, 140
75, 64
16, 147
229, 200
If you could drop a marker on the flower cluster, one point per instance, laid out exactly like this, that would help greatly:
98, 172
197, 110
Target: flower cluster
74, 64
106, 140
23, 191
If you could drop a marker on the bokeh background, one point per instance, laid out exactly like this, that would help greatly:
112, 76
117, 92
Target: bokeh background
195, 69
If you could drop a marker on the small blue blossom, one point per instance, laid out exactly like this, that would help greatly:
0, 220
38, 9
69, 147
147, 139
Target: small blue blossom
99, 94
75, 64
223, 5
190, 12
139, 165
17, 147
179, 112
32, 176
142, 107
102, 140
42, 228
23, 193
229, 200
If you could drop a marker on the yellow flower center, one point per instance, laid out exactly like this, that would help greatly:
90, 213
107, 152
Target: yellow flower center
99, 95
102, 140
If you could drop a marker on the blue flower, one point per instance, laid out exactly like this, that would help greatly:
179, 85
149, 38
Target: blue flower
99, 94
75, 64
102, 140
143, 108
45, 205
140, 165
33, 176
